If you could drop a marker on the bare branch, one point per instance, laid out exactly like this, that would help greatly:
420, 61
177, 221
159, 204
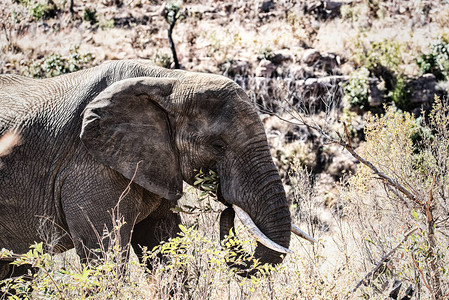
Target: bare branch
348, 138
379, 264
395, 192
377, 172
423, 277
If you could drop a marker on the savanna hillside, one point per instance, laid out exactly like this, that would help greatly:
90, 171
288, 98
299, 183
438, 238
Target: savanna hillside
353, 98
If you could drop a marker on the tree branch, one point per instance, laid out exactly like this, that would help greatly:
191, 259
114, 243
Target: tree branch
376, 171
379, 264
170, 41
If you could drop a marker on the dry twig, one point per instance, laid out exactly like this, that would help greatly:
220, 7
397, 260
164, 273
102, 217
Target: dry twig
380, 263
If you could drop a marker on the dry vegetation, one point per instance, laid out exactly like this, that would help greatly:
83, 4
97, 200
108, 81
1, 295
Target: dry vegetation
384, 227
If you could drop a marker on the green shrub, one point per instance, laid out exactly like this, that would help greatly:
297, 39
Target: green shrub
90, 15
400, 95
39, 9
174, 11
356, 90
105, 277
383, 60
380, 54
437, 61
163, 59
56, 64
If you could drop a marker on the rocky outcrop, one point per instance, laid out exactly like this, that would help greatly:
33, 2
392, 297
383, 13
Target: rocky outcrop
265, 68
423, 89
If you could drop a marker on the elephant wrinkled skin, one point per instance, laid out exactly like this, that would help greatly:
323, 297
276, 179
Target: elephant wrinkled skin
81, 138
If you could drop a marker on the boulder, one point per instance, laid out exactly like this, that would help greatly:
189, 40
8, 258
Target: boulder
323, 9
311, 56
265, 6
280, 56
423, 89
265, 68
236, 67
330, 62
296, 71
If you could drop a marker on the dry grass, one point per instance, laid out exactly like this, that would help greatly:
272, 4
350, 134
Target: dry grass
352, 240
205, 41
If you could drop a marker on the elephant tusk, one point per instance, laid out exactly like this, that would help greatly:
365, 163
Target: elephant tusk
256, 233
300, 233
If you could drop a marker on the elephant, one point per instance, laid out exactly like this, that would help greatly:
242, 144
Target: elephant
81, 139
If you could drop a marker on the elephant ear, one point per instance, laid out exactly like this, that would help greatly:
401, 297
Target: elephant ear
127, 127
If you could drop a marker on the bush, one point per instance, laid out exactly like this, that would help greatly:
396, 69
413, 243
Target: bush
90, 15
383, 60
56, 64
164, 60
400, 95
39, 9
356, 90
437, 61
384, 217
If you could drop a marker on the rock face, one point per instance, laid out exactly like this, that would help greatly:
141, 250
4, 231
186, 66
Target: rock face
265, 68
280, 56
310, 56
323, 9
237, 67
423, 89
266, 6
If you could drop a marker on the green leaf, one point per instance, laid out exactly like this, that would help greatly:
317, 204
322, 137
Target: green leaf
415, 215
370, 241
182, 227
198, 181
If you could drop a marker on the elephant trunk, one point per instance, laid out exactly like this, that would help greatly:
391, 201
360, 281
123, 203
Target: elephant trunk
227, 223
267, 208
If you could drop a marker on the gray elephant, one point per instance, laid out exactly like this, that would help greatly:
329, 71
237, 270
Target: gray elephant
82, 137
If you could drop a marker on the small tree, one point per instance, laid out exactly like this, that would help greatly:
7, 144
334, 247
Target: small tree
172, 13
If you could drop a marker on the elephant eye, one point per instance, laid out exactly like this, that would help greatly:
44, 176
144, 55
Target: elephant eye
219, 145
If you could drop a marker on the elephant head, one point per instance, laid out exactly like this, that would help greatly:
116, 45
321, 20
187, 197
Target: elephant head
174, 126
